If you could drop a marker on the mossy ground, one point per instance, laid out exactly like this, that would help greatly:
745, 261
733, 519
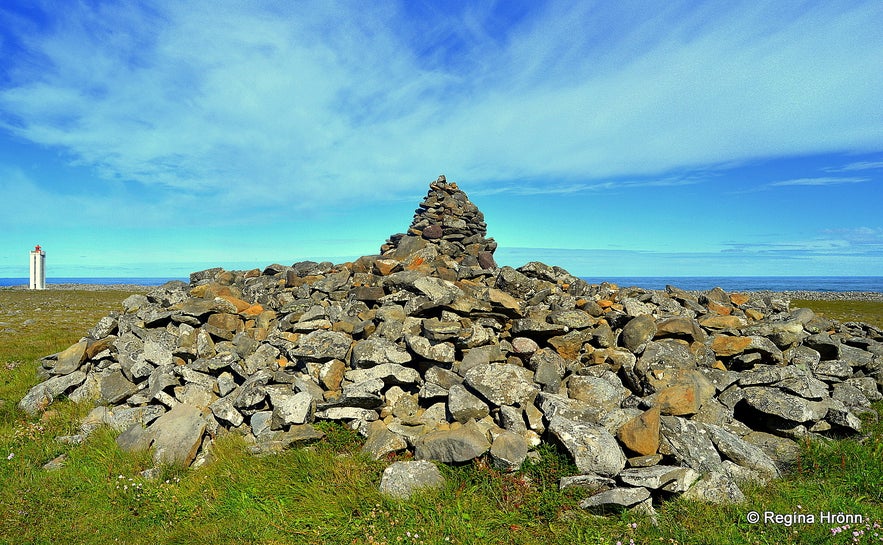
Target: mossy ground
327, 493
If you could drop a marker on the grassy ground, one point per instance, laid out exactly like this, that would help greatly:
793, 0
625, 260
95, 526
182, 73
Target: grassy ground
846, 311
327, 493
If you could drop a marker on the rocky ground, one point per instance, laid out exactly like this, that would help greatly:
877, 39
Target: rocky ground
806, 295
430, 347
88, 287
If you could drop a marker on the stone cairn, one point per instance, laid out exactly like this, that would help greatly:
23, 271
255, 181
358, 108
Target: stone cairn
429, 347
448, 220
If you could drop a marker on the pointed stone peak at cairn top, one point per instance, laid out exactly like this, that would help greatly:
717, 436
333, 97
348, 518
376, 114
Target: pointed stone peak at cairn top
446, 225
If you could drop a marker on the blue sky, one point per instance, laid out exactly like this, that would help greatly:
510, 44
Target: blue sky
610, 138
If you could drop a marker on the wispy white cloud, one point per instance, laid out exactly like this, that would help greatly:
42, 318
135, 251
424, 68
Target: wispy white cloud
309, 103
820, 181
859, 165
834, 242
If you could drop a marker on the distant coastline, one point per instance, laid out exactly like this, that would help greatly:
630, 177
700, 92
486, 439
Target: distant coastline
797, 287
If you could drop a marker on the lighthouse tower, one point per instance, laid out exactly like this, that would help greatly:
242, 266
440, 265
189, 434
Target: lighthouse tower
38, 269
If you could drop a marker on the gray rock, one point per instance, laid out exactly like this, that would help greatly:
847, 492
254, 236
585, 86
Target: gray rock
290, 407
781, 450
597, 392
776, 402
572, 319
503, 384
377, 350
689, 444
261, 422
135, 439
401, 480
275, 442
322, 346
389, 373
850, 395
593, 449
654, 477
827, 348
157, 353
115, 387
88, 390
122, 418
265, 356
805, 386
161, 378
464, 406
867, 386
768, 374
42, 395
638, 331
381, 441
438, 330
617, 498
832, 370
508, 451
347, 413
177, 435
439, 291
548, 366
226, 383
443, 377
742, 452
481, 355
452, 446
443, 352
840, 415
70, 359
552, 405
224, 409
715, 487
589, 481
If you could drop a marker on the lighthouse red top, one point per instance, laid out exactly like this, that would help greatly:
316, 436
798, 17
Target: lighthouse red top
37, 248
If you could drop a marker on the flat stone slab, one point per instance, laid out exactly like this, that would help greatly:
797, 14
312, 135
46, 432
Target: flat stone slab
402, 479
616, 498
452, 446
177, 435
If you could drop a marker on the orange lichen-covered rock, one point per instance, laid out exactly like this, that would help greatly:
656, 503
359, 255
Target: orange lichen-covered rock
728, 345
641, 434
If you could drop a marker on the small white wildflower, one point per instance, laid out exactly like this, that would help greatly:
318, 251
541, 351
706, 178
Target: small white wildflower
11, 456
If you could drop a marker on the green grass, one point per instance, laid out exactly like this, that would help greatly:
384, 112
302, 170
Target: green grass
845, 311
327, 493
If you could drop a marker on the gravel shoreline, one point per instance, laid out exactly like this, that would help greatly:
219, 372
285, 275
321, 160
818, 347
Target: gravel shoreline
791, 294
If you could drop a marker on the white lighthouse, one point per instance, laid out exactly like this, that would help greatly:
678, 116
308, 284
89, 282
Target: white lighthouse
38, 269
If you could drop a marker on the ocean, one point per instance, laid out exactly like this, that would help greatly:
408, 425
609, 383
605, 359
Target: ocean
698, 283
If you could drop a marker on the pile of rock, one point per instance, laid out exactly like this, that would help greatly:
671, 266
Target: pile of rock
451, 223
430, 347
